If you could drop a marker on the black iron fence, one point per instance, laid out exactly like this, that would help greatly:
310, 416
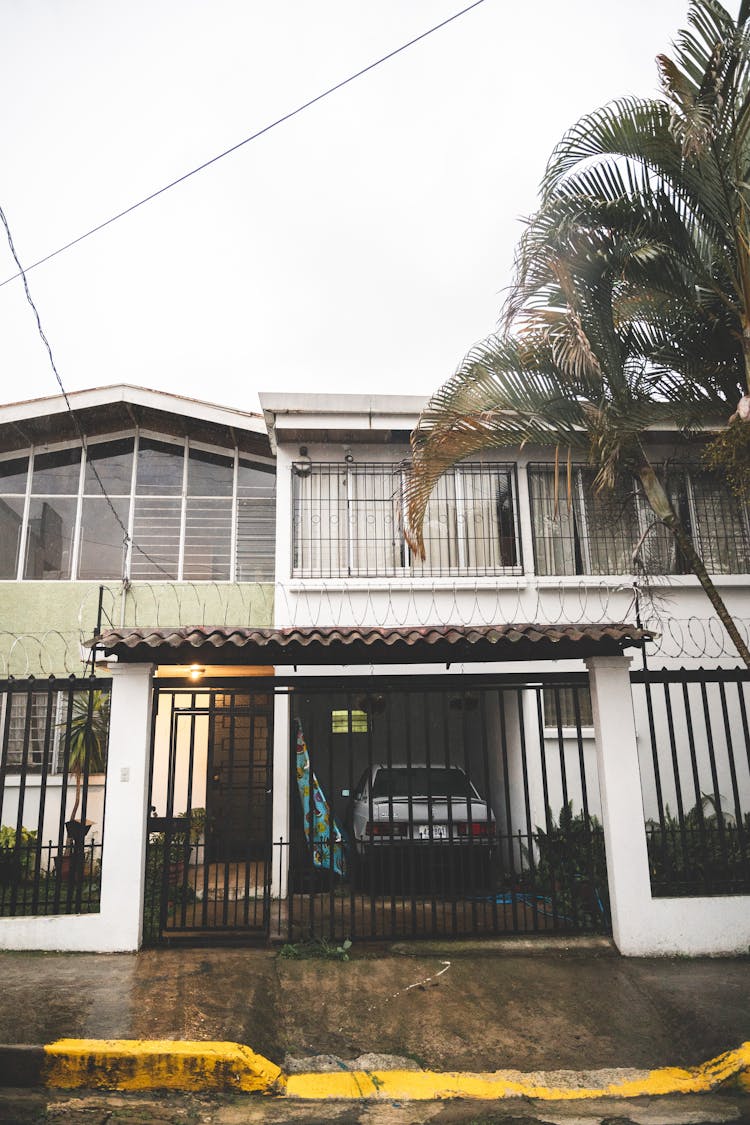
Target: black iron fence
443, 807
53, 751
695, 769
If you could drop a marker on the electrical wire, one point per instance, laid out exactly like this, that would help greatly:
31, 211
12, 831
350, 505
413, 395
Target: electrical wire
240, 144
22, 273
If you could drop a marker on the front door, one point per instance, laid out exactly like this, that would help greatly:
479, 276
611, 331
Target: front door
208, 855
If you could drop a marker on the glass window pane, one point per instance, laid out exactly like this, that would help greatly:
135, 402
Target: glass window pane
440, 529
11, 518
156, 538
49, 541
209, 474
374, 506
722, 534
555, 542
13, 475
102, 551
160, 467
27, 747
588, 532
254, 480
256, 540
56, 474
487, 519
208, 540
560, 707
320, 520
607, 523
113, 461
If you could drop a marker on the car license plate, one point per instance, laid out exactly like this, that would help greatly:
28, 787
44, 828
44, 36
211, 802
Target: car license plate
439, 831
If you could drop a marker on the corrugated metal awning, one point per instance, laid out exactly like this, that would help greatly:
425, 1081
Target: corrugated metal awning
368, 645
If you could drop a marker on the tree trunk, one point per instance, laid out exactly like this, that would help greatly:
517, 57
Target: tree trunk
662, 507
77, 801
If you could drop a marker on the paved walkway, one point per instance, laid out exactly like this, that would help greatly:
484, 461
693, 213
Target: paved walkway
494, 1006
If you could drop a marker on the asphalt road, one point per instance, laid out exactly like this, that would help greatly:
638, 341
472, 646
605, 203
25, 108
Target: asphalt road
21, 1107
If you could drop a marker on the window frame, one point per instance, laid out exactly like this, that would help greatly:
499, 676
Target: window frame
643, 518
347, 546
137, 433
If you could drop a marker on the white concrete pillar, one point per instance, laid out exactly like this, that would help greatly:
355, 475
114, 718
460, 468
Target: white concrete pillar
621, 797
644, 926
124, 851
280, 827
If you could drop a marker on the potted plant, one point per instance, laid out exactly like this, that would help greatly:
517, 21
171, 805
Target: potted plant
86, 737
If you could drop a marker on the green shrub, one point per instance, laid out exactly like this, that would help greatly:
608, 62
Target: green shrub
571, 867
17, 865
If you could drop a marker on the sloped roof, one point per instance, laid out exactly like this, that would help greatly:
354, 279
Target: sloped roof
369, 645
106, 410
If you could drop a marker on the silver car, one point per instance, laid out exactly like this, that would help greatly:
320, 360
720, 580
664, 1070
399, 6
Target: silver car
420, 805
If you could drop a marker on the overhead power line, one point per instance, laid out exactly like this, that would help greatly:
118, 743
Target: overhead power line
240, 144
22, 273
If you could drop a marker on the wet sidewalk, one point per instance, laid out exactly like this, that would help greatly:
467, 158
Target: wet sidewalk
484, 1006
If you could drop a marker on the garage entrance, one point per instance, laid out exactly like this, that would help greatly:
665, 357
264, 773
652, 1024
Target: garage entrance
431, 806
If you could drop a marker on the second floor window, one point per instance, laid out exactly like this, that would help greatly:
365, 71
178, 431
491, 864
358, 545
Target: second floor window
598, 533
192, 514
348, 519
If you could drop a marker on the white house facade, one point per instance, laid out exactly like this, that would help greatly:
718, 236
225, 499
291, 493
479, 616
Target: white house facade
539, 727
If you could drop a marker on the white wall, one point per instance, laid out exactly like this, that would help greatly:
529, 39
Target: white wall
51, 823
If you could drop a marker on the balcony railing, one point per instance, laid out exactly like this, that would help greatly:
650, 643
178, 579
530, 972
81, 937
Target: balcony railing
348, 521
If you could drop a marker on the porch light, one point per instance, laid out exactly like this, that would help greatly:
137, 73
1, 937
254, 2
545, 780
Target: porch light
196, 671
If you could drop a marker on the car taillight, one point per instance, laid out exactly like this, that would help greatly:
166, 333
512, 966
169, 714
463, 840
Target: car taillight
476, 828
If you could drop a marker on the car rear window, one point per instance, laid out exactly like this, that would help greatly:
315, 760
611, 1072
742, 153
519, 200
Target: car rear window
421, 781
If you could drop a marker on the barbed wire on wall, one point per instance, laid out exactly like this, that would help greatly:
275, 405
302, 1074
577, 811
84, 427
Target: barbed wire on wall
56, 651
59, 651
694, 637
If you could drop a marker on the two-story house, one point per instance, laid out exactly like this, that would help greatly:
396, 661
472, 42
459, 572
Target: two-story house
314, 732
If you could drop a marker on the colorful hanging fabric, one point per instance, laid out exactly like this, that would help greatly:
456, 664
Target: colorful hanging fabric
320, 826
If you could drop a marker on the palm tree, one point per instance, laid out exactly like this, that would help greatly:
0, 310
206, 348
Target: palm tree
632, 302
578, 380
672, 177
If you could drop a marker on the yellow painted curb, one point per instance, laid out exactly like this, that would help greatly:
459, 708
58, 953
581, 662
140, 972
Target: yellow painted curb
145, 1064
415, 1085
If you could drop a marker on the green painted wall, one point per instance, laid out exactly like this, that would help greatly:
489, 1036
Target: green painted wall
42, 623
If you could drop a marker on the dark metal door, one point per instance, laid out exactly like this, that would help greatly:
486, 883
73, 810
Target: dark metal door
208, 855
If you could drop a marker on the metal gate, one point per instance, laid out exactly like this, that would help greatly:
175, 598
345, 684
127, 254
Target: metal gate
208, 853
444, 806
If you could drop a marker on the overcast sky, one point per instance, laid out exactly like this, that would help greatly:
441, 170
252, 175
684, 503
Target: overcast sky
362, 247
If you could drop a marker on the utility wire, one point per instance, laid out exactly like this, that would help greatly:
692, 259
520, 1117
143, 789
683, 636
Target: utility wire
22, 273
253, 137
